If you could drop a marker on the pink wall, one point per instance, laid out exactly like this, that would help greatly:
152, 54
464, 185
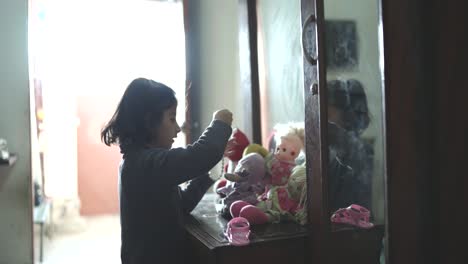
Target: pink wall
97, 163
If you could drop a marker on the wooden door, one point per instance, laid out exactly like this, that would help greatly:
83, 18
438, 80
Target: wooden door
344, 128
425, 58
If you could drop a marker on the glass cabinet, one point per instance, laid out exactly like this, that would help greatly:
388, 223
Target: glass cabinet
345, 96
318, 65
378, 86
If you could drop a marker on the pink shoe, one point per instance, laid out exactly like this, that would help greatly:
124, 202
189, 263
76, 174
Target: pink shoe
354, 214
236, 207
360, 210
238, 231
254, 215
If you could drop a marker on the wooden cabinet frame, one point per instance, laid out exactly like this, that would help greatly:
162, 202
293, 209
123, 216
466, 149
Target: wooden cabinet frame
425, 94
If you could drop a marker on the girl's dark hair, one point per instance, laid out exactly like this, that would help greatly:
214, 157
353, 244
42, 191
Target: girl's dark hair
349, 97
139, 112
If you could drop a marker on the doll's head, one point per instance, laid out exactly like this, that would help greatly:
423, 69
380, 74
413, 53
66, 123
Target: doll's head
288, 140
288, 148
246, 181
250, 168
290, 128
241, 142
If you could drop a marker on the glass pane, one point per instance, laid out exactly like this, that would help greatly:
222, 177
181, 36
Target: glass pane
282, 111
355, 111
280, 63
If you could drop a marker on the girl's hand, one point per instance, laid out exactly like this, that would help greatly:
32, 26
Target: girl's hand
223, 115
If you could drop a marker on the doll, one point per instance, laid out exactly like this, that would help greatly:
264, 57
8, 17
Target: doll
297, 189
245, 183
276, 203
281, 203
280, 164
235, 153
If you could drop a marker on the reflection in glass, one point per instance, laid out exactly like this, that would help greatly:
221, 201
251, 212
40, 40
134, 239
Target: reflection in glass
355, 110
350, 157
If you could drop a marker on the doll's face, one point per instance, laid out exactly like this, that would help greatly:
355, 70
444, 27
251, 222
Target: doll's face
288, 149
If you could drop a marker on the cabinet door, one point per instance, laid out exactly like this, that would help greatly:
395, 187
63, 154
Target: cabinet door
347, 93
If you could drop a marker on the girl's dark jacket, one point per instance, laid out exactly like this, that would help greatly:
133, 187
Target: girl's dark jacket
152, 205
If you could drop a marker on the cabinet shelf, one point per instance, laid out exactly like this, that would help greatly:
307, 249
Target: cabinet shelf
269, 243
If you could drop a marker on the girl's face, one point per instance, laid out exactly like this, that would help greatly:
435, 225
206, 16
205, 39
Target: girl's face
335, 115
167, 130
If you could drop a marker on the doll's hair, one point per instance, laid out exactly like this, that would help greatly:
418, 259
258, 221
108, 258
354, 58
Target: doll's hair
297, 183
139, 112
297, 187
290, 129
349, 97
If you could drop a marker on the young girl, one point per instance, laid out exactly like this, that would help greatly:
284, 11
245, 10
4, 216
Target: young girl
350, 157
151, 203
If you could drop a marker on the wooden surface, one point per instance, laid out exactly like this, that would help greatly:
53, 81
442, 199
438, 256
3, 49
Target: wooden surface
248, 61
316, 134
426, 88
354, 245
269, 243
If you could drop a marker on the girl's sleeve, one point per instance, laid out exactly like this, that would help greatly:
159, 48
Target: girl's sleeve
179, 165
194, 192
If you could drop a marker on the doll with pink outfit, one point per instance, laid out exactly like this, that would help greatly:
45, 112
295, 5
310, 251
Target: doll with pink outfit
276, 203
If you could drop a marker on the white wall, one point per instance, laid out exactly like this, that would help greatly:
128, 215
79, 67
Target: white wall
15, 196
216, 22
